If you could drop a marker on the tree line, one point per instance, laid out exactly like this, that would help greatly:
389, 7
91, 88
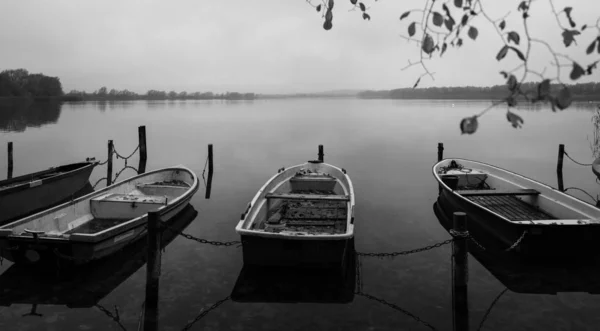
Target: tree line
20, 83
580, 92
104, 94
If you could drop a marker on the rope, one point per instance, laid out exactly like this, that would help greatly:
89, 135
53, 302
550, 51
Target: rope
581, 164
578, 189
490, 308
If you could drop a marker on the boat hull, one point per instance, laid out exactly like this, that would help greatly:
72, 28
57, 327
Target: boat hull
320, 253
41, 194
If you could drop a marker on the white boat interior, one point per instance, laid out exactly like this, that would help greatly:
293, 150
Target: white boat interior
107, 208
311, 199
511, 196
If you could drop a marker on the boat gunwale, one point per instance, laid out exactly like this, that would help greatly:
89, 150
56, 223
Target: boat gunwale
105, 234
33, 177
518, 223
254, 233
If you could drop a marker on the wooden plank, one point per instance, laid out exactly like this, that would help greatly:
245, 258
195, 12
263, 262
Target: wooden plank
497, 192
292, 196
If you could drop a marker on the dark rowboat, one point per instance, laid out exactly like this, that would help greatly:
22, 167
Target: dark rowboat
98, 224
508, 208
31, 193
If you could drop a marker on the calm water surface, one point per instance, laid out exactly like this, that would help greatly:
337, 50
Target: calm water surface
388, 148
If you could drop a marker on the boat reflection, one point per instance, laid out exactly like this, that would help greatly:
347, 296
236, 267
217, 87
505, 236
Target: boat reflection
550, 277
297, 285
85, 286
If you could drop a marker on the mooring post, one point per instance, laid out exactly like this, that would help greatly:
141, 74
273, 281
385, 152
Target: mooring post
10, 160
321, 155
460, 307
559, 167
210, 171
109, 164
440, 151
152, 272
143, 150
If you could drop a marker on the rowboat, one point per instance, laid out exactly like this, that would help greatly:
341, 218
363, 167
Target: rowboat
27, 194
302, 216
516, 212
100, 223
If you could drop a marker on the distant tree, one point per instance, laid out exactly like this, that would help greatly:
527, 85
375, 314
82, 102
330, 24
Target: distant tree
172, 95
442, 25
102, 92
182, 95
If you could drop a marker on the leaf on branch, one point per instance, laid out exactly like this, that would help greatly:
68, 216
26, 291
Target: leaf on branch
592, 47
519, 53
502, 25
405, 15
583, 27
577, 71
514, 37
568, 12
514, 119
319, 8
511, 101
459, 42
569, 36
591, 67
468, 125
330, 4
464, 20
353, 2
598, 45
544, 89
473, 33
438, 19
412, 29
366, 16
329, 15
417, 83
444, 46
564, 99
504, 73
502, 53
458, 3
446, 10
327, 25
362, 6
427, 44
512, 83
449, 23
523, 6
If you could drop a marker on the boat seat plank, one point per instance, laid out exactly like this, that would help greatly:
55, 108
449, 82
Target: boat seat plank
497, 192
293, 196
511, 207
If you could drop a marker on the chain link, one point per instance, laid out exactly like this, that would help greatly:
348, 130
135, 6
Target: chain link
113, 317
426, 248
200, 240
124, 168
205, 312
579, 163
119, 156
513, 246
490, 308
393, 306
98, 182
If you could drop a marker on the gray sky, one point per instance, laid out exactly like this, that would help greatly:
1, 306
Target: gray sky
264, 46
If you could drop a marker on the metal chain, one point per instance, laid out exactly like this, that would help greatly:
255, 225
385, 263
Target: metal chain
125, 158
426, 248
578, 189
205, 312
393, 306
581, 164
98, 182
124, 168
490, 308
476, 243
200, 240
513, 246
113, 317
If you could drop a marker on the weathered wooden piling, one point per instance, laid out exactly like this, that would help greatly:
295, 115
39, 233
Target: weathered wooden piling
109, 164
321, 155
559, 167
10, 160
460, 307
153, 265
440, 151
210, 171
143, 149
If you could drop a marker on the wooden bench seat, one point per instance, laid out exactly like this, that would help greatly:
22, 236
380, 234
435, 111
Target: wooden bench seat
292, 196
497, 192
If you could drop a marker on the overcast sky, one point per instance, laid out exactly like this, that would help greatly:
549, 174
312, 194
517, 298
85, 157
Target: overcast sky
264, 46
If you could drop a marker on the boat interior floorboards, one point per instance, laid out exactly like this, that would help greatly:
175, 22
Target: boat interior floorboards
96, 225
511, 207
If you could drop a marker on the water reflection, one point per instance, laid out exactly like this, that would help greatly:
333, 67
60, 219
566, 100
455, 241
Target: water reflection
18, 115
81, 287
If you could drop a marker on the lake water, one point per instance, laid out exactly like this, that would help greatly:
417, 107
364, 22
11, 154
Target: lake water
388, 148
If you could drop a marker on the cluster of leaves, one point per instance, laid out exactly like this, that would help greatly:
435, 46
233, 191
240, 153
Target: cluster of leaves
439, 27
327, 8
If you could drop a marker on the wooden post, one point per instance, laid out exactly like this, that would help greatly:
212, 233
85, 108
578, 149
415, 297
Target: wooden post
10, 160
109, 164
559, 167
210, 171
460, 306
143, 150
321, 155
152, 272
440, 151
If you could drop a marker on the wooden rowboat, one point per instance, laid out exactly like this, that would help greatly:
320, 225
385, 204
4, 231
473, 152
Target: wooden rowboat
509, 209
27, 194
98, 224
303, 215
